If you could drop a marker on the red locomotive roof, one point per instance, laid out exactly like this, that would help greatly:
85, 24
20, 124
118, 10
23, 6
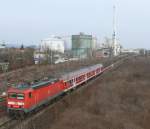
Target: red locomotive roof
23, 87
16, 90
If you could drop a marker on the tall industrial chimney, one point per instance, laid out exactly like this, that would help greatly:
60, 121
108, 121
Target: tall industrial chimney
114, 41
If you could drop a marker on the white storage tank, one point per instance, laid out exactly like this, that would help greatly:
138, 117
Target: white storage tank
53, 43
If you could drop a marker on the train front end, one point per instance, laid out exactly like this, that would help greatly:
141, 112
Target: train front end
16, 102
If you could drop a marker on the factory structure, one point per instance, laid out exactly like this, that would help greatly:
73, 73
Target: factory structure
111, 46
55, 47
2, 45
83, 45
116, 47
54, 43
48, 49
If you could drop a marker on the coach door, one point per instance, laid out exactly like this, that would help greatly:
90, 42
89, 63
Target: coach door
71, 83
30, 100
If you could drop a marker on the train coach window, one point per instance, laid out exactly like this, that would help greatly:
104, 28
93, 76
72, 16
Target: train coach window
12, 95
20, 96
30, 95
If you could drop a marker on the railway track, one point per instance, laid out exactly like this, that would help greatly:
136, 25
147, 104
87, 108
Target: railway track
7, 124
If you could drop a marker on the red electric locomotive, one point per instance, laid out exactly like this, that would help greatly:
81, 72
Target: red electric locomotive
26, 97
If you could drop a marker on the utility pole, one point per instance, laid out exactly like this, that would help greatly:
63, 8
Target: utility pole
51, 57
22, 50
51, 53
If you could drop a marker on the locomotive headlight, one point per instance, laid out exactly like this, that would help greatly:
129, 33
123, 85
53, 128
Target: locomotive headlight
20, 103
11, 103
16, 103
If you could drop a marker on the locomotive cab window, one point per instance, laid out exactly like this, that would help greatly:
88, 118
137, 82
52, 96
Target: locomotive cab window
12, 95
30, 95
20, 96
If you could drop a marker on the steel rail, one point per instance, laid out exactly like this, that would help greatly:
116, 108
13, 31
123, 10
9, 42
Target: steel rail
4, 124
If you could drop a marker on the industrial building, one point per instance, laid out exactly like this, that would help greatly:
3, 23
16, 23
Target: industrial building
103, 52
135, 51
2, 45
82, 45
48, 48
53, 43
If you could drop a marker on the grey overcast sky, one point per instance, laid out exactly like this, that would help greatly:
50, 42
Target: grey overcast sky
29, 21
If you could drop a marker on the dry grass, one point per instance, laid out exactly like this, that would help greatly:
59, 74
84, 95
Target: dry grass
119, 100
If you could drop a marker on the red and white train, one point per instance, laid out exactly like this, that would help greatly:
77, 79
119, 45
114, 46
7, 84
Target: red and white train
27, 97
